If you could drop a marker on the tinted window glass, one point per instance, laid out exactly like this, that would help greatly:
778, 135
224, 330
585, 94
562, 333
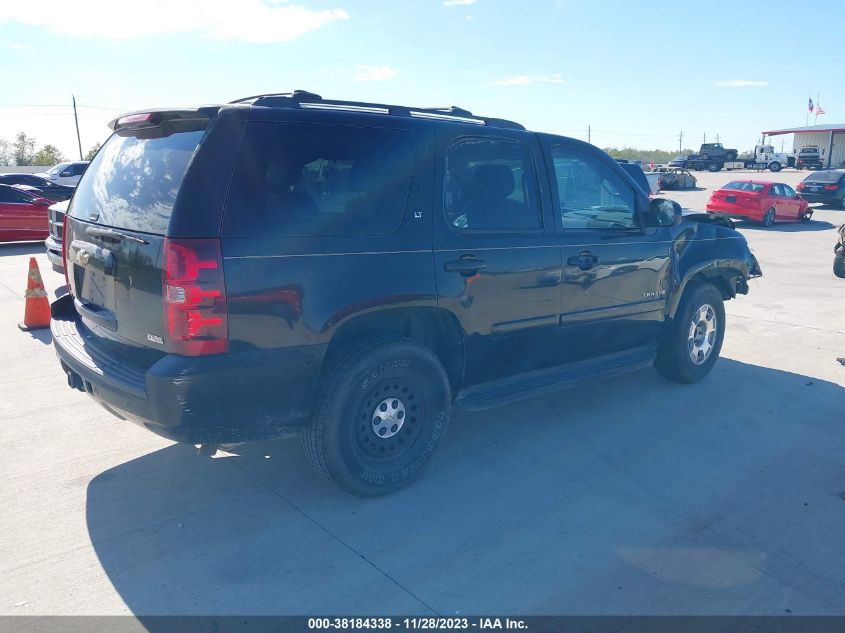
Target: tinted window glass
491, 185
5, 194
592, 195
79, 169
739, 185
824, 176
775, 190
788, 191
132, 183
308, 179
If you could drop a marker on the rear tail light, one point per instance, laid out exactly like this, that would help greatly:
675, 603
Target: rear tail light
831, 187
194, 297
801, 185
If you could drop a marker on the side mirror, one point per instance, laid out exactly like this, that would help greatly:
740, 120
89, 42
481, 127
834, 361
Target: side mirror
665, 212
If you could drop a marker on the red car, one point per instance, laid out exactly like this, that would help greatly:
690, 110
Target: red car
23, 215
760, 201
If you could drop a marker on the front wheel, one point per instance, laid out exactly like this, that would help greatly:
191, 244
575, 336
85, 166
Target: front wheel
693, 340
714, 167
839, 265
383, 405
769, 218
775, 167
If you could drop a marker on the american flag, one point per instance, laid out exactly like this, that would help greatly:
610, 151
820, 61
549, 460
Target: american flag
819, 110
810, 107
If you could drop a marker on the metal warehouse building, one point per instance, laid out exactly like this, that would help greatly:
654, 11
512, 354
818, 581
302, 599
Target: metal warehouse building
830, 139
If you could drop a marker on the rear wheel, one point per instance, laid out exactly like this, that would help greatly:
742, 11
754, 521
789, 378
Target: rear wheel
693, 340
839, 265
714, 167
383, 406
769, 218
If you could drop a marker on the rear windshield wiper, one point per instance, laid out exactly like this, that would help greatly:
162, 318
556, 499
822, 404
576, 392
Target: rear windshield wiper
111, 234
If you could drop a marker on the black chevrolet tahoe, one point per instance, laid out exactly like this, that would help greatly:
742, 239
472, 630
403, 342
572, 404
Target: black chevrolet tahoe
354, 271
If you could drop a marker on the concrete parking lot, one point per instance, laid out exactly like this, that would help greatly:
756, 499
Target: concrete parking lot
628, 496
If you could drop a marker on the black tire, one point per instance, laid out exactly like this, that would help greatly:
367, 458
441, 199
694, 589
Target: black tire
714, 167
769, 218
341, 441
807, 215
674, 356
839, 265
775, 167
705, 156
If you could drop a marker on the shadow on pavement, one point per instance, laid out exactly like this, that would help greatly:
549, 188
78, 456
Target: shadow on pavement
788, 227
715, 498
21, 248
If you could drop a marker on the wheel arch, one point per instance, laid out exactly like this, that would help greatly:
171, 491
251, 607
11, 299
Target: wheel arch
434, 328
728, 280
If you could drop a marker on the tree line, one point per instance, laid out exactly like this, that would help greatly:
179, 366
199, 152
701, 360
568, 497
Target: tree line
22, 151
646, 155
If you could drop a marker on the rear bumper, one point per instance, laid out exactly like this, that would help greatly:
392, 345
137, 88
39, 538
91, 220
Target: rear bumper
224, 398
822, 198
734, 213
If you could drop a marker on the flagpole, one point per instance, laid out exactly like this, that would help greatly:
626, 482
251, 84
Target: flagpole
809, 98
816, 116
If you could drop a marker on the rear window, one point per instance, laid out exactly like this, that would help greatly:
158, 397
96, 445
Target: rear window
738, 185
824, 176
132, 182
315, 179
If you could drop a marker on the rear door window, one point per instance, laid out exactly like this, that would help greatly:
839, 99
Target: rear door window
316, 179
133, 181
491, 185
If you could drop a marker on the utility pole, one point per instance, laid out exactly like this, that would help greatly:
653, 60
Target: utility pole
76, 119
705, 139
717, 138
681, 142
589, 134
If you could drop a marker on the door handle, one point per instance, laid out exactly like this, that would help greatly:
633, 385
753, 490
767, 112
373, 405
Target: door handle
466, 267
584, 260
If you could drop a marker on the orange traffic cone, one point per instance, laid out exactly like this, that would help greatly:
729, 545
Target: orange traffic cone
37, 312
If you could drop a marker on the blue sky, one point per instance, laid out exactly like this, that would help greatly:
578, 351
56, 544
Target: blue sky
637, 73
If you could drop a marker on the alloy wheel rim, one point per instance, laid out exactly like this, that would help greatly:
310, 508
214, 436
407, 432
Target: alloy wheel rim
702, 334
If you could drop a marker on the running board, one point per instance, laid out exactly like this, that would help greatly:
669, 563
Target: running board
542, 381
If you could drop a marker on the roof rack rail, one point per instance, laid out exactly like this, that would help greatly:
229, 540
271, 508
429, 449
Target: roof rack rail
308, 100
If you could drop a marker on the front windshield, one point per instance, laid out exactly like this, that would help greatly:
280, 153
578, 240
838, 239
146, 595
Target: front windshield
57, 169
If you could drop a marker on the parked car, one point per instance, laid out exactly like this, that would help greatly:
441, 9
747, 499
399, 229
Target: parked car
66, 173
839, 253
759, 201
23, 215
353, 271
678, 161
55, 224
48, 188
671, 178
826, 187
638, 176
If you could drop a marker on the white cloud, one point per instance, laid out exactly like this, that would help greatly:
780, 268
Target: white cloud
375, 73
246, 20
525, 80
18, 47
457, 3
740, 83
